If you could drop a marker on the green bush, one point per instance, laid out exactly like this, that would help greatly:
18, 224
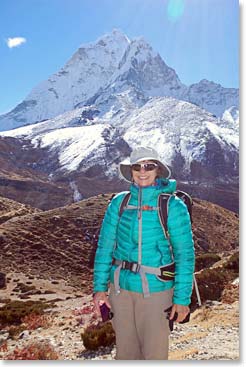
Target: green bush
206, 260
233, 263
100, 335
211, 283
12, 312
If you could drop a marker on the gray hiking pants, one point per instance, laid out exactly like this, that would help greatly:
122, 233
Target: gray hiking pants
140, 324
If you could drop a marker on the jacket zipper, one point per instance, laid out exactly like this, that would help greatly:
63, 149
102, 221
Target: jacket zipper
140, 226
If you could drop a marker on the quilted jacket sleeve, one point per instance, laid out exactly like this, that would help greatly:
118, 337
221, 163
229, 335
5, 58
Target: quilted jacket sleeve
179, 227
106, 244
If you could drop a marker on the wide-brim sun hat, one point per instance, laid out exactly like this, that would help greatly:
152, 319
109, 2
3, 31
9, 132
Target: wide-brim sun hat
142, 154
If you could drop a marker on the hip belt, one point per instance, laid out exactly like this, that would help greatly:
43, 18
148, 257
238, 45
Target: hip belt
164, 273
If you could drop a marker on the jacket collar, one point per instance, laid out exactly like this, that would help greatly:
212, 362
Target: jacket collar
151, 192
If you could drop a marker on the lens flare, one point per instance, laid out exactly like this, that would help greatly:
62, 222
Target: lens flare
175, 9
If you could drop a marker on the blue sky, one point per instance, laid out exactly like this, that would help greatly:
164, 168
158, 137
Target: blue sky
198, 38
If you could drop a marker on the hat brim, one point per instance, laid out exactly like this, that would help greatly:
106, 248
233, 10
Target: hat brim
126, 174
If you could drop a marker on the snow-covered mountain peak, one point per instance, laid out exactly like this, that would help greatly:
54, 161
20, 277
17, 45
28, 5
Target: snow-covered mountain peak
88, 70
212, 96
138, 53
182, 133
114, 74
140, 45
106, 52
113, 43
207, 83
169, 113
230, 118
116, 37
141, 74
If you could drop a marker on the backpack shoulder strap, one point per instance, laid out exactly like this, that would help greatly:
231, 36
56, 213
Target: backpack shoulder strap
124, 203
187, 199
163, 201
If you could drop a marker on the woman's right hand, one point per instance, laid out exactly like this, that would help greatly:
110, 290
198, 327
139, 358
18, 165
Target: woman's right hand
98, 299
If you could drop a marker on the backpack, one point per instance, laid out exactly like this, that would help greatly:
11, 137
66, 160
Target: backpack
163, 201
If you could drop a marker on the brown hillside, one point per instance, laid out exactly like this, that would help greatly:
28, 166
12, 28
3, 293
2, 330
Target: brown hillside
10, 209
56, 244
24, 176
215, 228
61, 243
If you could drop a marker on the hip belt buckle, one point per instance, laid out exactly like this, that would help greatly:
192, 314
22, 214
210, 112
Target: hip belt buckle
132, 266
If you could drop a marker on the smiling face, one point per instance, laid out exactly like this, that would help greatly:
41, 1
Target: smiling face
143, 177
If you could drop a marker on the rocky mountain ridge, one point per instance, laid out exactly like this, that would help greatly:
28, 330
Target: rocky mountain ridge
80, 147
114, 63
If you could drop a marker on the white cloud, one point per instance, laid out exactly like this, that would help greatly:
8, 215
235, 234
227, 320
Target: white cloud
16, 41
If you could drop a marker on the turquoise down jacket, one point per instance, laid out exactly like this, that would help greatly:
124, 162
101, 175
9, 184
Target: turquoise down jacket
119, 239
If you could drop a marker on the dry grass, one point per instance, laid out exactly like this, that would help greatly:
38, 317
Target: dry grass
218, 315
179, 355
190, 336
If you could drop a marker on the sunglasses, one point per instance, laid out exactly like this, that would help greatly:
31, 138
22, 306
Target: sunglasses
145, 166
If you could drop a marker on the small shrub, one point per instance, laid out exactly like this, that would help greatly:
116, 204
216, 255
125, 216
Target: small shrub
206, 260
4, 346
34, 321
13, 312
98, 335
83, 311
61, 323
24, 288
211, 283
233, 263
79, 321
24, 296
230, 293
205, 314
15, 330
89, 204
34, 351
3, 282
48, 292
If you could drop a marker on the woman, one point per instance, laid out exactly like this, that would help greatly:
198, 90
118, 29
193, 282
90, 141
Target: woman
131, 248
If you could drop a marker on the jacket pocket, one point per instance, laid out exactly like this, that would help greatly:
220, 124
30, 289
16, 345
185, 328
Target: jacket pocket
164, 252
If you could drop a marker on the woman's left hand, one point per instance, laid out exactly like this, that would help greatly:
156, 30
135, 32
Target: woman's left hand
181, 310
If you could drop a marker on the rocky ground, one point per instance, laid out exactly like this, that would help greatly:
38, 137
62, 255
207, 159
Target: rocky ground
212, 333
